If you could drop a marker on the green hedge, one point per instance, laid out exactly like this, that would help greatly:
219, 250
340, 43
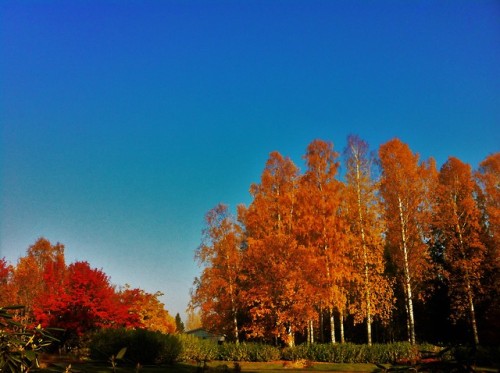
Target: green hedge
248, 352
148, 347
353, 353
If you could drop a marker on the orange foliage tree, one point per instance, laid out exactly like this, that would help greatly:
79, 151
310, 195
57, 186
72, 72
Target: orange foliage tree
488, 177
322, 230
217, 291
276, 290
372, 296
406, 187
28, 278
151, 312
457, 220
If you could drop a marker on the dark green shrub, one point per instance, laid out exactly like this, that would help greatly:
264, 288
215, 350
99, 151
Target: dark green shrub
170, 350
107, 342
143, 346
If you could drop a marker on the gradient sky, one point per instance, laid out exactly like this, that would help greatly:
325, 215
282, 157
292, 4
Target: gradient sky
124, 122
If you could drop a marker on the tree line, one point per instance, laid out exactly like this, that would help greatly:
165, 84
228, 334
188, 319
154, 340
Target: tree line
394, 245
75, 297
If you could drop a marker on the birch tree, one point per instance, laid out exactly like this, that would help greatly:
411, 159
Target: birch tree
373, 292
217, 291
322, 229
458, 223
405, 189
276, 289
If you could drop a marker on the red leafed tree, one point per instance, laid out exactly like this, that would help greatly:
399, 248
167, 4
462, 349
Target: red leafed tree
373, 292
7, 294
275, 291
406, 187
86, 301
150, 311
458, 223
217, 292
322, 229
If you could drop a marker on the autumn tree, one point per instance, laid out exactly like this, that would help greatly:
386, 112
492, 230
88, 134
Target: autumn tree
322, 230
373, 292
488, 177
406, 187
28, 278
276, 291
457, 220
86, 301
217, 291
193, 319
7, 295
148, 308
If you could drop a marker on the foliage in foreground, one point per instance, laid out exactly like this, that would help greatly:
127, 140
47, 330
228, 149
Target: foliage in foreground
19, 344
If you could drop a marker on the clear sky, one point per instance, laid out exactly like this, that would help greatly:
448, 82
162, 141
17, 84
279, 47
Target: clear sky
124, 122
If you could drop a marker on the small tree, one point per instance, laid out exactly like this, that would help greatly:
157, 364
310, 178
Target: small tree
179, 325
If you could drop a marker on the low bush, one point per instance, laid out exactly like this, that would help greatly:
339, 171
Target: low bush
256, 352
194, 348
233, 352
263, 353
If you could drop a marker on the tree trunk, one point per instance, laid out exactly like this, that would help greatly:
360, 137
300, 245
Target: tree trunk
310, 332
407, 277
472, 314
467, 278
321, 326
342, 339
332, 326
365, 256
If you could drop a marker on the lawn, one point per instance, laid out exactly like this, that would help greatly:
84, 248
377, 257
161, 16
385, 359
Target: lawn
214, 366
222, 366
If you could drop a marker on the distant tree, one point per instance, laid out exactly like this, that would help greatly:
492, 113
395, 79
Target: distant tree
193, 319
406, 187
458, 222
217, 291
150, 311
373, 292
179, 325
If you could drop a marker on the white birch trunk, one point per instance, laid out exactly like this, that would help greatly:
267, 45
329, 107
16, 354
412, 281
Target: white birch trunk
407, 277
342, 339
365, 257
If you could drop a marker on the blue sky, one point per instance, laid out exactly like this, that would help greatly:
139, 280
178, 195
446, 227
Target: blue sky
124, 122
